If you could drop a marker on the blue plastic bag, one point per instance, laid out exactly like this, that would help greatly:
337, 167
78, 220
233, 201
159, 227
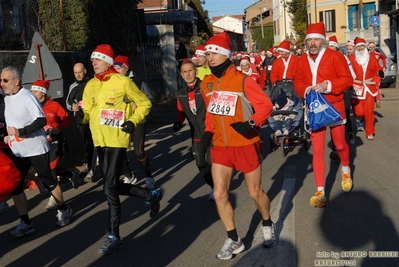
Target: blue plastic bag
321, 112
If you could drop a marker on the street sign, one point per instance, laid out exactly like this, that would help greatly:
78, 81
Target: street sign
375, 21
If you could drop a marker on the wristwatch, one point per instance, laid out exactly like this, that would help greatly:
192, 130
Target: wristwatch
252, 123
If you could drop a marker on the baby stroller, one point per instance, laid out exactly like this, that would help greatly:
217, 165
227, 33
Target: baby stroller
295, 135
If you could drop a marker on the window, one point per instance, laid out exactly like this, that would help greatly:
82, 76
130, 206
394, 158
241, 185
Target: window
328, 17
368, 12
354, 17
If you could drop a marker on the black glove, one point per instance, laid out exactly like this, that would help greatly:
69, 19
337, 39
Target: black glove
381, 74
128, 127
206, 139
242, 127
177, 126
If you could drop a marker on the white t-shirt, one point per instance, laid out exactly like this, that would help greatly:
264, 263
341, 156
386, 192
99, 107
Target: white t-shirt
22, 109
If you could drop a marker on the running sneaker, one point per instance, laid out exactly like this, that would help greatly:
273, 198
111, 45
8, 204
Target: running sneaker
22, 229
370, 137
269, 236
112, 244
346, 183
127, 180
318, 200
89, 177
229, 248
63, 216
360, 125
51, 204
211, 197
4, 207
75, 178
149, 182
351, 138
154, 205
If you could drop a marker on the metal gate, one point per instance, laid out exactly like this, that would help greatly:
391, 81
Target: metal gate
152, 58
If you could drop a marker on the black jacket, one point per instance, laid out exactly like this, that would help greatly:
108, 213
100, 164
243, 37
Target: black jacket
197, 122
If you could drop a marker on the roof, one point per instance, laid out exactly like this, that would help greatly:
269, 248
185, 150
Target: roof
238, 17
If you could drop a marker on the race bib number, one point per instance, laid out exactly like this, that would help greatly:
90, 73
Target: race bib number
269, 68
193, 107
358, 89
223, 104
112, 117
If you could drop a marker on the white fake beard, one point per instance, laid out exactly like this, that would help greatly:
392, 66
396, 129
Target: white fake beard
362, 57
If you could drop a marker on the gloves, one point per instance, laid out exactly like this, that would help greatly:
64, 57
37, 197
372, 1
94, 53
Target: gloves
128, 127
206, 139
177, 126
381, 74
242, 127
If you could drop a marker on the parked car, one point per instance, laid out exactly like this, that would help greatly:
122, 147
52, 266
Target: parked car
390, 74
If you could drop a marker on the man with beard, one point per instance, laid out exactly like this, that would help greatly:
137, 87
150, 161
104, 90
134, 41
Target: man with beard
325, 71
365, 88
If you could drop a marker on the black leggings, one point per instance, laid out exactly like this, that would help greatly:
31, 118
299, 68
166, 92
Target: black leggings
111, 160
202, 159
41, 164
138, 138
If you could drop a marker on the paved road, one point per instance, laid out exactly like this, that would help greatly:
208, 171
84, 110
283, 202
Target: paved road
187, 232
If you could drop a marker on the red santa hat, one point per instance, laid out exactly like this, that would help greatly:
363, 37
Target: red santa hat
219, 43
316, 30
270, 51
104, 52
284, 46
359, 41
200, 50
244, 60
120, 60
332, 41
371, 44
41, 86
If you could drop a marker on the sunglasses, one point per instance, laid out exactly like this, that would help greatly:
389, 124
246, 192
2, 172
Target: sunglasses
5, 80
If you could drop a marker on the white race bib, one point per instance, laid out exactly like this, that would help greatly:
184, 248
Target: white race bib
224, 104
112, 117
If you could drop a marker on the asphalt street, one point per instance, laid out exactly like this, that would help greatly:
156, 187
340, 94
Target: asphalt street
359, 228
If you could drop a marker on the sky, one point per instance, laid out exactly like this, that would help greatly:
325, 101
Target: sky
226, 7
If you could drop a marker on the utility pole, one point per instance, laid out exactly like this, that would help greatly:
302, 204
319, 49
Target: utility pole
261, 22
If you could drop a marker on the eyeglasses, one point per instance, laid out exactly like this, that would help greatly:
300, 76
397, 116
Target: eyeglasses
6, 80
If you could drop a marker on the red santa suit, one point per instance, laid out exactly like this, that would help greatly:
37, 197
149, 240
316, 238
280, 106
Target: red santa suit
364, 91
331, 67
283, 68
383, 63
261, 71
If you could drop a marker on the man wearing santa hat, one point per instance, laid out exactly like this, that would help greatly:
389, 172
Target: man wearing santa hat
284, 67
27, 140
365, 87
111, 123
326, 72
383, 63
333, 45
202, 62
237, 106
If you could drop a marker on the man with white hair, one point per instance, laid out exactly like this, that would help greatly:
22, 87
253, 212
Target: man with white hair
326, 72
365, 88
